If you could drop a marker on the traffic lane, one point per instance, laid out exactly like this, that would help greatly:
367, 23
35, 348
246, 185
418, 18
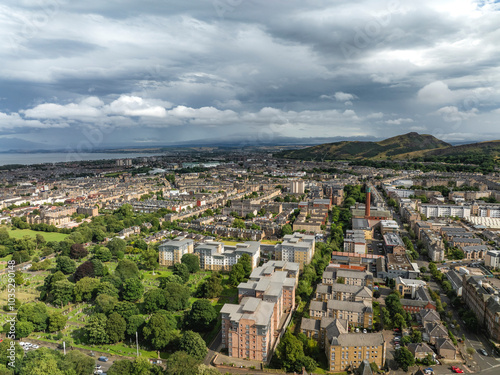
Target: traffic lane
477, 342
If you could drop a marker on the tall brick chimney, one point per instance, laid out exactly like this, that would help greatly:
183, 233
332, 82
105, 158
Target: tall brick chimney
368, 202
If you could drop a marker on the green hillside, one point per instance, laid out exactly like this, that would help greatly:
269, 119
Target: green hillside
347, 150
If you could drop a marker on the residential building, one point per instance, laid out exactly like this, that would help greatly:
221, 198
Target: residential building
343, 292
420, 350
355, 241
359, 314
347, 276
445, 348
171, 251
266, 302
492, 259
296, 248
482, 296
393, 244
408, 287
348, 350
444, 210
249, 329
218, 257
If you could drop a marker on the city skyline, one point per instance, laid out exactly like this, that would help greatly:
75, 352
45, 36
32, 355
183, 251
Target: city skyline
139, 74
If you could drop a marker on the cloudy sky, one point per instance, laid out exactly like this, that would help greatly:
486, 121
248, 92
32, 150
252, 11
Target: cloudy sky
97, 73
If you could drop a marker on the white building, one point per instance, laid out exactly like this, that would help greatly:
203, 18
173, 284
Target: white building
492, 259
445, 210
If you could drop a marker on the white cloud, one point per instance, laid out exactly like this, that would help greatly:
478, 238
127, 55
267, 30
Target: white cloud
15, 121
453, 114
436, 93
399, 121
135, 106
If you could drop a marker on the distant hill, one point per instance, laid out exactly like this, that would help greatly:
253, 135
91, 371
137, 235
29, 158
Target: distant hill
351, 150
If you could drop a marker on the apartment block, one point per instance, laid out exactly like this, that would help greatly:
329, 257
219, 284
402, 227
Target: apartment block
171, 251
296, 248
355, 241
347, 275
445, 210
359, 314
248, 329
218, 257
343, 292
266, 302
348, 350
492, 259
482, 296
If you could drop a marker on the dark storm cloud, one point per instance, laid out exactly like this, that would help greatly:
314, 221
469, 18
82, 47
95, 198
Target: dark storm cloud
136, 72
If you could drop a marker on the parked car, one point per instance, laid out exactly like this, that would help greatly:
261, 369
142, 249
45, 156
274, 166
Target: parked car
365, 331
103, 359
429, 370
483, 352
98, 372
457, 370
397, 339
98, 367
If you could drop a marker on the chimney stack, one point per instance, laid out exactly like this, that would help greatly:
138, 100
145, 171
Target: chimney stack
368, 202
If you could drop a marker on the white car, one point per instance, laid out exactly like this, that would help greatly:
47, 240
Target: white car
98, 372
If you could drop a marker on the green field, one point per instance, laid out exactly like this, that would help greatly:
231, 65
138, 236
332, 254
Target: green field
49, 236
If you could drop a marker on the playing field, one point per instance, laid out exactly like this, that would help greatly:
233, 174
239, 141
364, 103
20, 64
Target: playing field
49, 236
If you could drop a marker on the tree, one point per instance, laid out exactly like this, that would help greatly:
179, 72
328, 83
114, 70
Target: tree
159, 330
62, 292
115, 328
107, 288
35, 313
65, 265
78, 251
132, 289
141, 366
78, 362
103, 254
182, 271
399, 321
149, 259
211, 287
134, 324
193, 344
121, 367
181, 363
23, 328
116, 245
376, 294
176, 297
202, 316
42, 361
18, 278
416, 336
57, 321
169, 279
85, 289
126, 309
99, 268
289, 351
246, 261
126, 269
404, 358
238, 223
105, 304
96, 329
154, 299
237, 274
86, 269
286, 229
192, 262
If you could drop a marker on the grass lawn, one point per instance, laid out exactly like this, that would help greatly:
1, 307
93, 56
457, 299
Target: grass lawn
49, 236
230, 243
269, 242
